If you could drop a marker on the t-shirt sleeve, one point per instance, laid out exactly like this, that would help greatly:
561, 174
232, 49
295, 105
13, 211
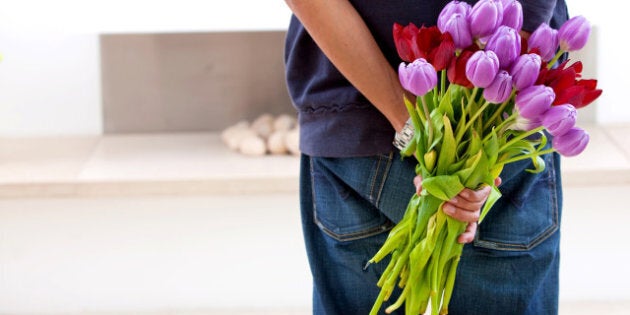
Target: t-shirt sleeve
536, 12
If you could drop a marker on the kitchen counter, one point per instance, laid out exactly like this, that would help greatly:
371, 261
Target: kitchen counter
199, 163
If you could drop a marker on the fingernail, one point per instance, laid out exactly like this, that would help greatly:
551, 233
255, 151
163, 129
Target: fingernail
448, 209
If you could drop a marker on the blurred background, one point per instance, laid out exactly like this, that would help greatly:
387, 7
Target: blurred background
118, 194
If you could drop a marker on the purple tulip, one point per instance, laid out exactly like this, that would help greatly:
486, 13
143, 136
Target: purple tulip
482, 67
534, 101
418, 77
512, 14
571, 143
574, 33
485, 17
545, 40
500, 89
453, 7
506, 43
459, 28
525, 70
559, 119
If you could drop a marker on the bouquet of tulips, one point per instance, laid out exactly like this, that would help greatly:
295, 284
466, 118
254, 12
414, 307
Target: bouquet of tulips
483, 98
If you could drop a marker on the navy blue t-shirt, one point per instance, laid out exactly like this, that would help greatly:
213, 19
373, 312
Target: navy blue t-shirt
336, 120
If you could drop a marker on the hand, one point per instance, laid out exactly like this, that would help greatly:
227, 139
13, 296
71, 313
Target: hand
465, 207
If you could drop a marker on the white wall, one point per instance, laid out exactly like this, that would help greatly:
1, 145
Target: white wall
50, 75
613, 64
49, 79
49, 84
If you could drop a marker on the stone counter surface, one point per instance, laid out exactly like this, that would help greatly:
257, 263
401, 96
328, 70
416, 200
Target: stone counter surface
199, 163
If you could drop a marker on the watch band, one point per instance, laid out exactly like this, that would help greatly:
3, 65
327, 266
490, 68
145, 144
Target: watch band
404, 136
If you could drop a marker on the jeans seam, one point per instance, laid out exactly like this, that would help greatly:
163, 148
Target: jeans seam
385, 174
375, 176
355, 235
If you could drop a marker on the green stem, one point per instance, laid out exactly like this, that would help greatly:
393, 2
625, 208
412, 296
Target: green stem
555, 59
502, 126
471, 121
521, 137
498, 112
416, 119
527, 156
471, 96
428, 120
443, 81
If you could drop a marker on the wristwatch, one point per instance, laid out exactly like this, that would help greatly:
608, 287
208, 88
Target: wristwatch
404, 136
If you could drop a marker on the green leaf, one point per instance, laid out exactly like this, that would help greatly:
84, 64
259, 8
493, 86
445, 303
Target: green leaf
416, 119
446, 107
462, 121
456, 166
410, 149
491, 147
430, 100
479, 174
475, 144
539, 165
438, 125
494, 196
448, 150
443, 187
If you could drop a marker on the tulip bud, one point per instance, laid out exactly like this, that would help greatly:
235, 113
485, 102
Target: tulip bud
485, 17
482, 67
545, 40
571, 143
574, 33
534, 101
559, 119
459, 29
500, 89
453, 7
506, 43
512, 14
429, 160
525, 70
418, 77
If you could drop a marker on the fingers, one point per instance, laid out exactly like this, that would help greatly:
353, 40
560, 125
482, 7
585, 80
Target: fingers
468, 235
417, 181
466, 206
498, 181
461, 214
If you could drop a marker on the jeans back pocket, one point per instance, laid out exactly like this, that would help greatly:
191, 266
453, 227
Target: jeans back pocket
346, 192
528, 212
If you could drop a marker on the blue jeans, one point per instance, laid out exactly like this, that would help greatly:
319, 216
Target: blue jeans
349, 204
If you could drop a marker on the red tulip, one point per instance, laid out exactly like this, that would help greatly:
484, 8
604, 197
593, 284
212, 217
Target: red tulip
568, 85
404, 39
425, 42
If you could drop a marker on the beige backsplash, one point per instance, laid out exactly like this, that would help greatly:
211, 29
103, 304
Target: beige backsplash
180, 82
